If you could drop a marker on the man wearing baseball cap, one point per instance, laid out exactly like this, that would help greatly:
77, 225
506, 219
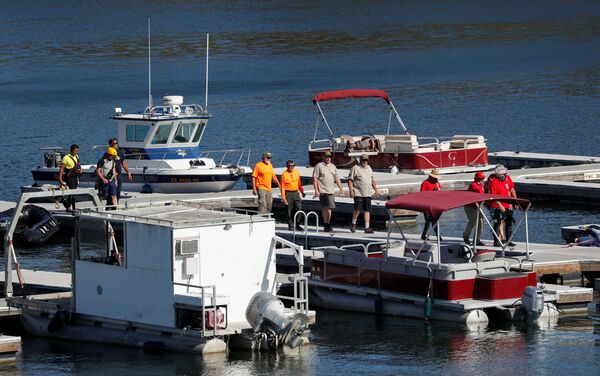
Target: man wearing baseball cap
291, 188
500, 183
471, 211
430, 184
262, 175
360, 185
325, 178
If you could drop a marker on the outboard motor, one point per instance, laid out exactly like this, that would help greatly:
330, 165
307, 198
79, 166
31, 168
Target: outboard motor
533, 302
265, 313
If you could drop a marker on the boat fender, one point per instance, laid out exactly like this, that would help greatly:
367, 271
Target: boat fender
58, 321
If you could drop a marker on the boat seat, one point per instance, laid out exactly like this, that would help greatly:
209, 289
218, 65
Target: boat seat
467, 141
484, 256
397, 249
400, 143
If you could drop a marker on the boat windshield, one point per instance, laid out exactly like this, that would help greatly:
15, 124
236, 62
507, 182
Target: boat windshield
184, 133
162, 134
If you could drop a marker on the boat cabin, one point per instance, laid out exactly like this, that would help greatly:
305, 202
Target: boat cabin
172, 130
167, 265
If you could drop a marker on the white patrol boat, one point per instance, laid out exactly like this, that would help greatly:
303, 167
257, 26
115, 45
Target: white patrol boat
161, 148
170, 276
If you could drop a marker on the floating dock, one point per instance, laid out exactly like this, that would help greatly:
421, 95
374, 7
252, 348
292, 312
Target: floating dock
9, 347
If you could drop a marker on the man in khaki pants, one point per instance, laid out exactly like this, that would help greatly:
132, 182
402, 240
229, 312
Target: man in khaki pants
262, 175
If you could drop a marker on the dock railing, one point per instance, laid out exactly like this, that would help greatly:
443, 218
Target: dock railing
300, 281
203, 296
306, 216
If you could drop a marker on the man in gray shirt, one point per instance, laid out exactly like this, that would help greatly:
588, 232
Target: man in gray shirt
325, 177
360, 183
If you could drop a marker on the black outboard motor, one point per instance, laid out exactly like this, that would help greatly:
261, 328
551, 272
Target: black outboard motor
36, 225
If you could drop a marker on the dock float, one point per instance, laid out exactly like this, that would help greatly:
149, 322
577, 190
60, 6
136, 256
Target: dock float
9, 347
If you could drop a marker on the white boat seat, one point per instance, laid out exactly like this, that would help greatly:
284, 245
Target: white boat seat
484, 256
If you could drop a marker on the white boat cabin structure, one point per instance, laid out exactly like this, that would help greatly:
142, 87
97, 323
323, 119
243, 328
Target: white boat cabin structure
174, 276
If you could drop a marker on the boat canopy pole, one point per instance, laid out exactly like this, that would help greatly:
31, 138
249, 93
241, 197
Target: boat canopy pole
392, 108
149, 71
526, 236
389, 122
476, 230
206, 78
439, 237
324, 120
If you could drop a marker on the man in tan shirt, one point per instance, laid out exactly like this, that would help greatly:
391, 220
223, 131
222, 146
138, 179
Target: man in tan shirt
360, 183
325, 177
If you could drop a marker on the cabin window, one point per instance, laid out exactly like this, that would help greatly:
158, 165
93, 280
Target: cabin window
95, 243
136, 132
199, 132
184, 132
162, 134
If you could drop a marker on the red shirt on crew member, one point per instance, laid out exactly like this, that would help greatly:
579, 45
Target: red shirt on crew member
432, 183
500, 187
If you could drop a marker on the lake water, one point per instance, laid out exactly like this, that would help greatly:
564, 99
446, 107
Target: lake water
524, 74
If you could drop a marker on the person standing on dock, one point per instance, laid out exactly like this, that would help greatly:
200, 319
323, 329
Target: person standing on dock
360, 183
106, 170
291, 188
500, 183
325, 178
68, 174
471, 211
430, 184
121, 165
262, 175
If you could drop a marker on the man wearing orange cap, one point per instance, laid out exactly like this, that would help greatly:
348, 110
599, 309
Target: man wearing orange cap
471, 211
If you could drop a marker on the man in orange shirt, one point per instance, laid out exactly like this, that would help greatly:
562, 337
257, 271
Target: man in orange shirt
262, 175
291, 188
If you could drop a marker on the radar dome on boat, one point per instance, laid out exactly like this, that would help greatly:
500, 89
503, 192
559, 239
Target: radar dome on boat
169, 100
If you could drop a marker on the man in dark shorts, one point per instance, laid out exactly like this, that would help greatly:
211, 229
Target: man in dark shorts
325, 178
106, 171
360, 183
121, 164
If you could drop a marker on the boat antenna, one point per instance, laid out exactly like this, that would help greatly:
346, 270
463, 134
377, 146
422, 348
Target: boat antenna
149, 70
206, 78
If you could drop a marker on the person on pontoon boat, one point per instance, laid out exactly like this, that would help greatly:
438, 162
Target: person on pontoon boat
503, 213
471, 211
430, 184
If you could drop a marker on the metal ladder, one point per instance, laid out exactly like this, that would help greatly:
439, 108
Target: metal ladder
305, 231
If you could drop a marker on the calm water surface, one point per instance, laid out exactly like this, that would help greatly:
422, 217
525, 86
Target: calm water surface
524, 74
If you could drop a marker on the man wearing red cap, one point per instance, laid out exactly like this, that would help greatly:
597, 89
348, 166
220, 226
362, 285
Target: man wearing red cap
471, 211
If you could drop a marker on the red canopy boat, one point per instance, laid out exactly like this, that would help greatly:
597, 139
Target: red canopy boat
465, 284
405, 151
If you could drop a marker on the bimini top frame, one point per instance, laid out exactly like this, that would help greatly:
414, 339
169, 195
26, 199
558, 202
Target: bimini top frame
354, 93
433, 204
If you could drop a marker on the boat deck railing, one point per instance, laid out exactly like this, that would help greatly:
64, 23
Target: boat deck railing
175, 111
299, 280
222, 157
205, 308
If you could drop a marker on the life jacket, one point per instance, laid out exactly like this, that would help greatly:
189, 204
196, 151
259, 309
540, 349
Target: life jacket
108, 169
76, 170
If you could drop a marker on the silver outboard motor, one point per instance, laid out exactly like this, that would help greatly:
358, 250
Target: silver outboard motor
533, 302
266, 315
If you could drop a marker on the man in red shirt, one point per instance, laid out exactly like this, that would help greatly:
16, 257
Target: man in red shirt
471, 211
500, 183
430, 184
